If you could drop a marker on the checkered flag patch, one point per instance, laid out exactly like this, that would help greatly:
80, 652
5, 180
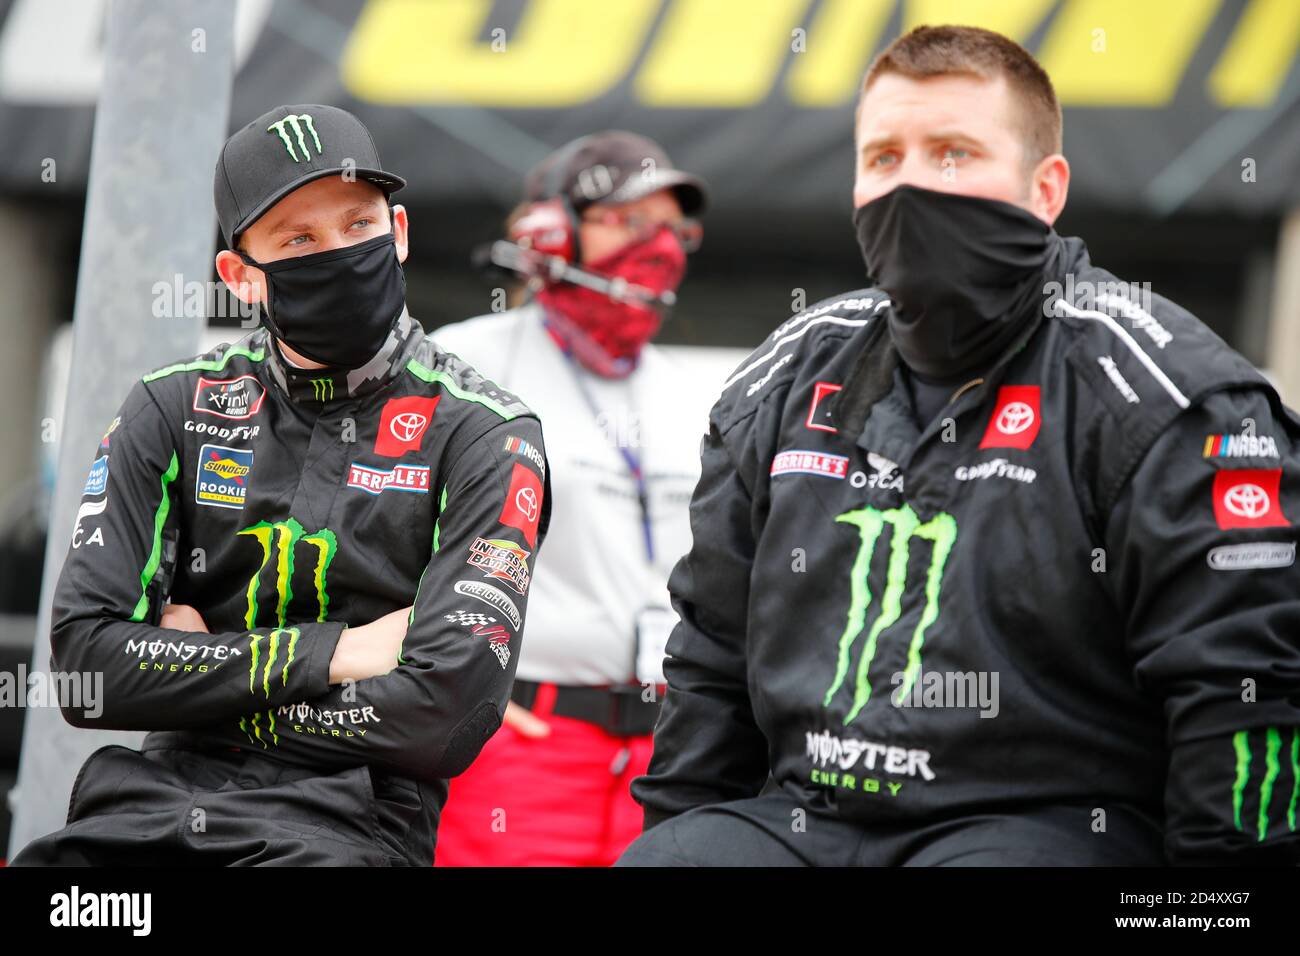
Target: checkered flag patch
469, 618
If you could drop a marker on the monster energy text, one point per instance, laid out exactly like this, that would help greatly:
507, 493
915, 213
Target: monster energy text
209, 656
308, 720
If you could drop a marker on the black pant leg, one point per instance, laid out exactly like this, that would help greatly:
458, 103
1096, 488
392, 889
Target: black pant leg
125, 810
1049, 836
772, 829
169, 805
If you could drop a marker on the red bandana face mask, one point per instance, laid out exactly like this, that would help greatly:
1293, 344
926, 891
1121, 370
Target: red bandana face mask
604, 335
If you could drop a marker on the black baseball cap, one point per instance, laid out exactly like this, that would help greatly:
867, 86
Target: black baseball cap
286, 148
613, 166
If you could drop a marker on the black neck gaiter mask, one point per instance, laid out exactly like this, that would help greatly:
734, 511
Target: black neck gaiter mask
965, 274
337, 306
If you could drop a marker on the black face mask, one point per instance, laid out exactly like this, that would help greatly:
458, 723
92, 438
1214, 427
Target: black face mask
337, 306
965, 274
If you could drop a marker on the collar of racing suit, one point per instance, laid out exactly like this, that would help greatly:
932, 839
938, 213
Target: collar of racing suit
325, 385
874, 374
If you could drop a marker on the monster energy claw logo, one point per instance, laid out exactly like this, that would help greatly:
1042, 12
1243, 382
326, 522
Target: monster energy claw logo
272, 657
1272, 770
322, 388
279, 541
940, 531
296, 122
252, 726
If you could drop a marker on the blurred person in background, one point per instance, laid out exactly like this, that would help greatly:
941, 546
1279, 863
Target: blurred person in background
1044, 606
623, 423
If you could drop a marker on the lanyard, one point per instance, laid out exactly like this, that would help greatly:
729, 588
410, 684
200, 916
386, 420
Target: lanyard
632, 461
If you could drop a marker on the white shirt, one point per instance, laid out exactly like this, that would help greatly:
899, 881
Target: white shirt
594, 575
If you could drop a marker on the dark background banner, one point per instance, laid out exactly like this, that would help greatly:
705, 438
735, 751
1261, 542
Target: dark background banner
1182, 123
1165, 99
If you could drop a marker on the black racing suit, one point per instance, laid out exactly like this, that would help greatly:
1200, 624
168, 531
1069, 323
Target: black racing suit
1105, 525
285, 506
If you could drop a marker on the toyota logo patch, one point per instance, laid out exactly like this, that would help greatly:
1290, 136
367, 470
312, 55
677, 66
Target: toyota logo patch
407, 426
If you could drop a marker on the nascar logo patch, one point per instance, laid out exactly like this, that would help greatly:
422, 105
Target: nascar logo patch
1239, 446
517, 446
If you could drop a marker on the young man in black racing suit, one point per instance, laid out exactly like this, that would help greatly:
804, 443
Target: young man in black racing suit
345, 536
994, 560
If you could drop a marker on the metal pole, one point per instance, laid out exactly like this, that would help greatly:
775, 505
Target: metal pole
163, 112
1284, 333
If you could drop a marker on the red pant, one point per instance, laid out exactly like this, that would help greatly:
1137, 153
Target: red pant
559, 800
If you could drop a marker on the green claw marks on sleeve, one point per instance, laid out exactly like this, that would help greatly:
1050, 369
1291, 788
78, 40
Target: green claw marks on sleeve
255, 640
293, 647
1272, 748
1272, 770
1295, 777
272, 655
1241, 746
253, 730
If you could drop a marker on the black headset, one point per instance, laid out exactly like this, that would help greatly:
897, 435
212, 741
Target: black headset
553, 188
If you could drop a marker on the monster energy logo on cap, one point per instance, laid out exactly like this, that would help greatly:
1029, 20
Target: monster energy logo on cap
940, 531
252, 174
1267, 784
322, 388
296, 122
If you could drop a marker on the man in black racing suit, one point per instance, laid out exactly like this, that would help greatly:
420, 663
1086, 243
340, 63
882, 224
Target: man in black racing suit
993, 561
346, 539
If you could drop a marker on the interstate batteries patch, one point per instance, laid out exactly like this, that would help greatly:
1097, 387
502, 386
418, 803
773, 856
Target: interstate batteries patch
501, 559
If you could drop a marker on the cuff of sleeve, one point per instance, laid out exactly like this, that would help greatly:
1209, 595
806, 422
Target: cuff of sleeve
1225, 718
321, 640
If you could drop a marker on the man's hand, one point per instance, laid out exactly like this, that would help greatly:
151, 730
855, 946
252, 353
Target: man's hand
371, 649
182, 617
524, 721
